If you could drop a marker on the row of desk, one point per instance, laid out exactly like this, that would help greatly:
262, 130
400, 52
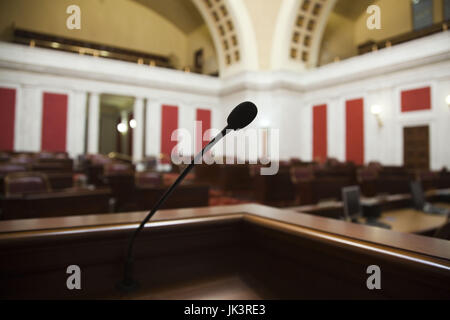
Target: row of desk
78, 201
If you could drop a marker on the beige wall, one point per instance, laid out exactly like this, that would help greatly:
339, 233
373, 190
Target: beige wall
342, 35
396, 18
338, 39
121, 23
263, 15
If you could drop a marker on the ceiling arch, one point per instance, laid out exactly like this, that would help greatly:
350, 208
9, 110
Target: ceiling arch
228, 23
298, 33
232, 33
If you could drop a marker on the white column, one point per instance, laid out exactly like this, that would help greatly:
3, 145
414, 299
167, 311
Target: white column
153, 132
305, 135
76, 124
94, 123
28, 125
187, 118
138, 132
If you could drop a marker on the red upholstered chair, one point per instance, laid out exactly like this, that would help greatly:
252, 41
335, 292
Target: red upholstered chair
4, 157
150, 163
26, 182
302, 178
98, 159
119, 176
6, 168
429, 179
148, 178
118, 168
366, 174
300, 174
375, 165
22, 158
332, 162
367, 180
44, 155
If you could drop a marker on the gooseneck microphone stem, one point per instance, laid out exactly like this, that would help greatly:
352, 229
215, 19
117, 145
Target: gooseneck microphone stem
128, 284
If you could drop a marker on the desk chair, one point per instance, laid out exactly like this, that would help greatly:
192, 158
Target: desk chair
353, 209
444, 231
420, 203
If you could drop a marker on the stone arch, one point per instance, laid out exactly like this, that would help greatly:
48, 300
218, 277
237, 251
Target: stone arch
232, 33
298, 33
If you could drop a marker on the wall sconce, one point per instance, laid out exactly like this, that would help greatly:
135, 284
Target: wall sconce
133, 124
122, 128
376, 111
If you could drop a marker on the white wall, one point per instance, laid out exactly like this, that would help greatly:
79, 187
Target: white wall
284, 99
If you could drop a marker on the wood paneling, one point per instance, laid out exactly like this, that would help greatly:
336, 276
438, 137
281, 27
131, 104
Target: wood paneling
416, 147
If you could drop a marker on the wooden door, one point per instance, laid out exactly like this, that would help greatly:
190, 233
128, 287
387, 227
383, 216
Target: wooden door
416, 147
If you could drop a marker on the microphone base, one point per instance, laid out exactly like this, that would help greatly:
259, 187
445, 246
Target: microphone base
127, 286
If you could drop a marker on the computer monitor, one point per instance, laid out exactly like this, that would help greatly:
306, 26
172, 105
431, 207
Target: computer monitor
352, 203
417, 195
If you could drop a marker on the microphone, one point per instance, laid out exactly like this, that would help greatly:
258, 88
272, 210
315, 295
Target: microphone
241, 116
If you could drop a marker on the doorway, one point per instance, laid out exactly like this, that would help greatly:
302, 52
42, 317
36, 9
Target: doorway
416, 147
116, 125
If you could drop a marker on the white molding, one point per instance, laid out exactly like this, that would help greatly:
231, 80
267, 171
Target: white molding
138, 134
417, 53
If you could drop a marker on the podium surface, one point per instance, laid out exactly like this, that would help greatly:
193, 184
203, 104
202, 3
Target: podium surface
232, 252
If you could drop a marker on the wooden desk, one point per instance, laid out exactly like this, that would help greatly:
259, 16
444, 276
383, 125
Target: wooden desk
53, 204
412, 221
187, 195
396, 212
335, 209
245, 251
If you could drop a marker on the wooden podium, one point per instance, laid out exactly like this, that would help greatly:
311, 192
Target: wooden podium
234, 252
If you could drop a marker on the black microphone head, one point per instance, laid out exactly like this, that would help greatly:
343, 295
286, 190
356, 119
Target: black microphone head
242, 115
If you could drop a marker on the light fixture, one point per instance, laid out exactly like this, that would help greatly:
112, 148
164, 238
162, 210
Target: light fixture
376, 110
448, 100
122, 128
55, 45
133, 124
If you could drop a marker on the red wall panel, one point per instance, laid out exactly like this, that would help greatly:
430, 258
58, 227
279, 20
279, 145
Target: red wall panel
7, 118
355, 131
54, 122
417, 99
320, 140
169, 123
203, 116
